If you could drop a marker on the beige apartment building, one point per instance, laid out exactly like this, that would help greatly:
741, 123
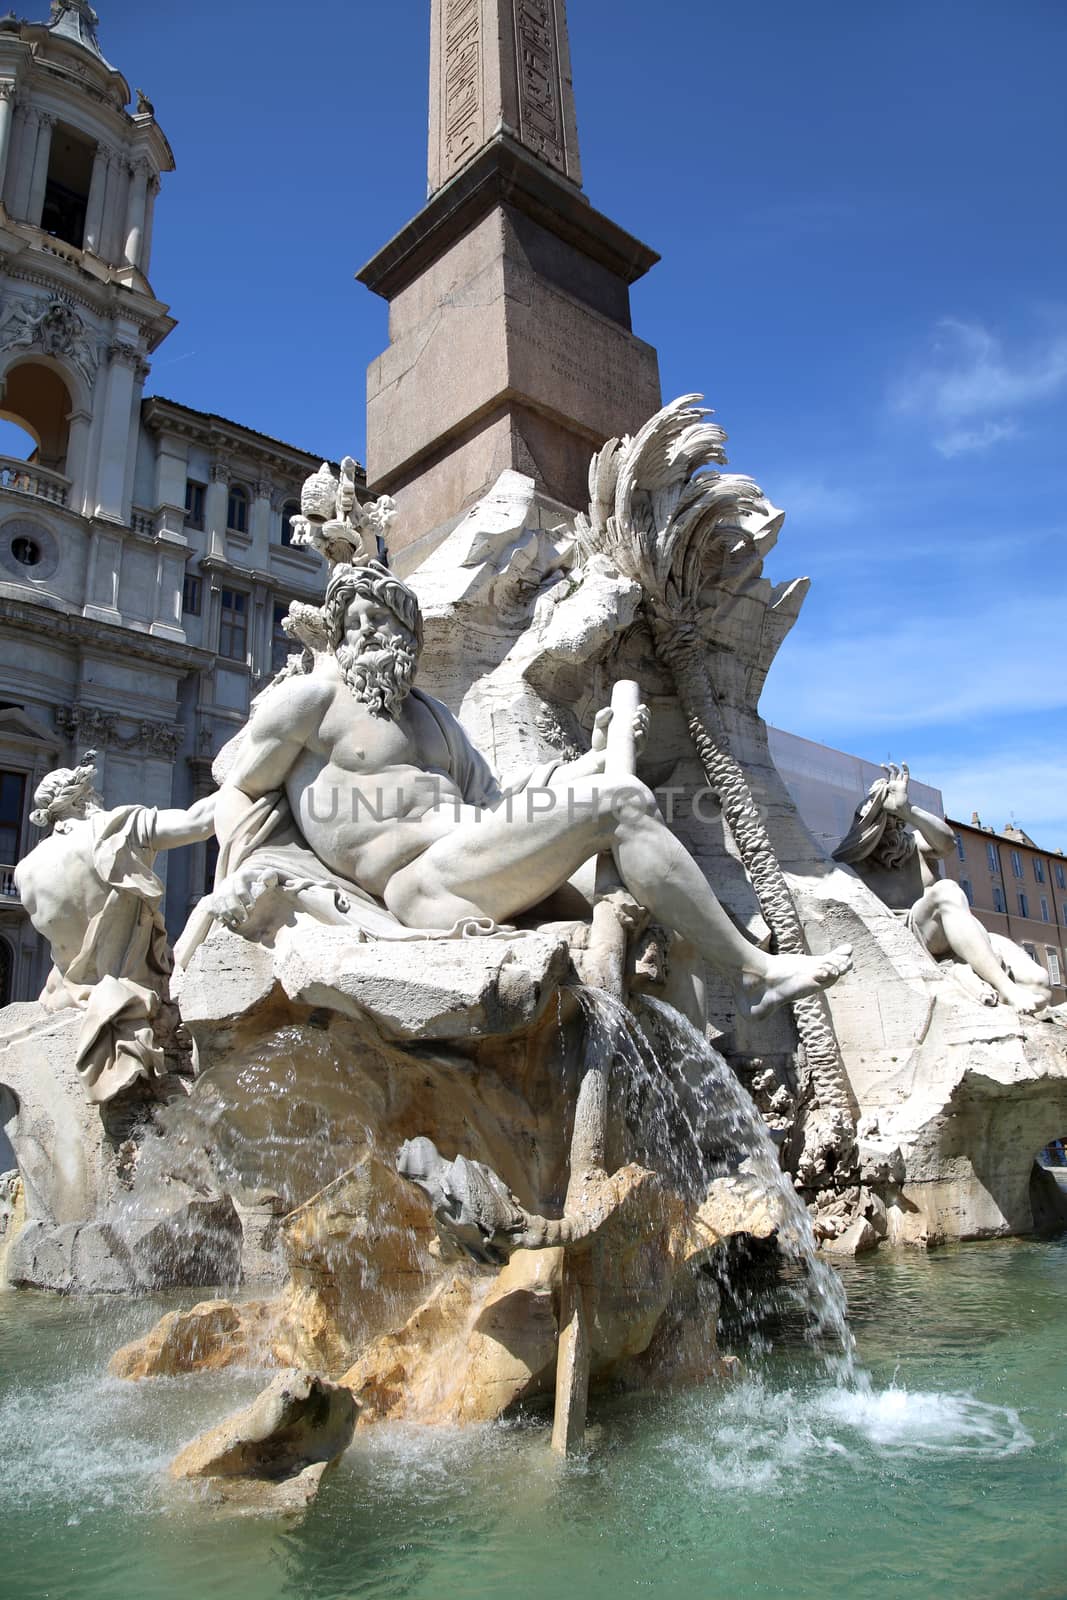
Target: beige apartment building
1017, 889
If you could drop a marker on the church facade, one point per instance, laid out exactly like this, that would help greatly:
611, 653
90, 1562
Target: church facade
144, 556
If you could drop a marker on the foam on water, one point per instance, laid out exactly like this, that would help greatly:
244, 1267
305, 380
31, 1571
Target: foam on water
760, 1439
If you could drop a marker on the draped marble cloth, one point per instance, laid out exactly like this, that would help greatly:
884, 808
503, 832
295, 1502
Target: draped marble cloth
268, 841
121, 972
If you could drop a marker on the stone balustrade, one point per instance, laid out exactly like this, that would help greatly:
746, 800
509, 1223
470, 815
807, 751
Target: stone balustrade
7, 883
23, 477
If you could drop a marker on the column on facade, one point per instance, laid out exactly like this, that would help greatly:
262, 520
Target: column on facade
136, 213
94, 211
7, 115
39, 178
103, 576
215, 507
154, 186
114, 206
170, 579
122, 380
80, 424
141, 371
260, 523
172, 473
27, 118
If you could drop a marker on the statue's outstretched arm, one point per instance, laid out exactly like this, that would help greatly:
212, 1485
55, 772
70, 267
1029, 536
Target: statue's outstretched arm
173, 828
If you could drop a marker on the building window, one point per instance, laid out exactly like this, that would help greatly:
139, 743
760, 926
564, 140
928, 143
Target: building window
233, 625
192, 595
1039, 870
1061, 876
66, 195
965, 885
1016, 864
1055, 975
12, 796
1024, 905
999, 903
1044, 910
992, 857
281, 646
27, 552
237, 509
1030, 951
194, 503
290, 509
959, 848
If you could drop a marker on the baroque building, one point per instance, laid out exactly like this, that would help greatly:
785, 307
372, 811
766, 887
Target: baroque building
144, 557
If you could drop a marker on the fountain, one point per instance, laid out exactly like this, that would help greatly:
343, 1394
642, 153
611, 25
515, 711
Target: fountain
448, 1070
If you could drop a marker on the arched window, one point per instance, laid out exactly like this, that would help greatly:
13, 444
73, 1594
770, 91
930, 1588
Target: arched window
290, 509
38, 402
237, 509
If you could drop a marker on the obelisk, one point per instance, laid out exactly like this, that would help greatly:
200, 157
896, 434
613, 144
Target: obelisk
509, 296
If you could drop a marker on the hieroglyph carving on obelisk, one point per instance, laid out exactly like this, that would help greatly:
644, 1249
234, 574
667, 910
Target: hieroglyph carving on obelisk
500, 66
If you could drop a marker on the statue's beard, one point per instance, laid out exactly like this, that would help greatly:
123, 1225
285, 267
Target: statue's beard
379, 674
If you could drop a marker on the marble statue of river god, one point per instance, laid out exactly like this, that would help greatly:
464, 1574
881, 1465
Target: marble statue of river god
362, 799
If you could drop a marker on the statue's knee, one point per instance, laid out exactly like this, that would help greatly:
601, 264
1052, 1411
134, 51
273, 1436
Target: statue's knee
624, 802
948, 896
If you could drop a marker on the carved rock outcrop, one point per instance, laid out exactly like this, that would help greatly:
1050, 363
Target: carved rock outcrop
271, 1456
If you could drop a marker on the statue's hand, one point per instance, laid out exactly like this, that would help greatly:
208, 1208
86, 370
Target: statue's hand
592, 764
895, 800
233, 900
642, 718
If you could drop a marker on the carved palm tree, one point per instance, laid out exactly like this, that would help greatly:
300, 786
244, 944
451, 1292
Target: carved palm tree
694, 539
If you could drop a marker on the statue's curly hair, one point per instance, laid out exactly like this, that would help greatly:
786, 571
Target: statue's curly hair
62, 789
369, 581
876, 836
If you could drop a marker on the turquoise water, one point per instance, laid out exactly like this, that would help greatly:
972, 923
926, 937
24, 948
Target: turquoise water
945, 1478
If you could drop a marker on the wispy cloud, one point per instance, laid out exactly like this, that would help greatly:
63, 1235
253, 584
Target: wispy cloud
1016, 780
920, 669
964, 441
970, 386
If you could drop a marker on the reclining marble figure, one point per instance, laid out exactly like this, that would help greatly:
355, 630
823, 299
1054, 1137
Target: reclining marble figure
362, 799
896, 848
89, 888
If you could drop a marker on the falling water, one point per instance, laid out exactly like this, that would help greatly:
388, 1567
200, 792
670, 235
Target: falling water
694, 1122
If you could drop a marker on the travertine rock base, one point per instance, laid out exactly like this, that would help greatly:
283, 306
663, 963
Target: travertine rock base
271, 1456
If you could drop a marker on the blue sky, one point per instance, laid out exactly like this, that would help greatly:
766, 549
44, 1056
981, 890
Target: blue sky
860, 211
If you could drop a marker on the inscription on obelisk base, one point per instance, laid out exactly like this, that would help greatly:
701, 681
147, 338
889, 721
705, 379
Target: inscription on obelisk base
509, 295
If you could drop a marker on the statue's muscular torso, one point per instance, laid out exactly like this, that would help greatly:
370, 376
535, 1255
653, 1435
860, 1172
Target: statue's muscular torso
369, 793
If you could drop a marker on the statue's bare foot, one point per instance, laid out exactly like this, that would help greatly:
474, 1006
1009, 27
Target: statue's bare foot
1023, 998
789, 978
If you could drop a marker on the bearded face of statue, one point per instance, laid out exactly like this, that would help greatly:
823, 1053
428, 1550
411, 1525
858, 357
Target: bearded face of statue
378, 656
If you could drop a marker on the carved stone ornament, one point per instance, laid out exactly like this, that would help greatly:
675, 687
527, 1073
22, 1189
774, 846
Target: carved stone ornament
332, 520
78, 722
53, 327
86, 722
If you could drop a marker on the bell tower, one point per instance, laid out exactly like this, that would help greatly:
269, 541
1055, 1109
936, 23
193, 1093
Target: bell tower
79, 175
510, 340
